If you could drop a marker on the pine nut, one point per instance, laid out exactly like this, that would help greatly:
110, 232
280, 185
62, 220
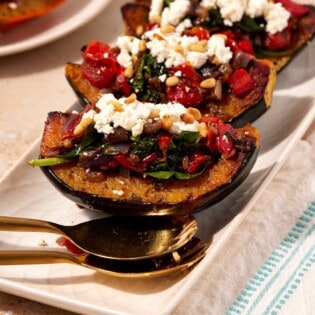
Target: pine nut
203, 130
131, 98
118, 107
172, 81
128, 73
166, 122
179, 49
81, 127
142, 45
187, 118
208, 83
195, 112
155, 113
139, 29
167, 29
155, 19
197, 48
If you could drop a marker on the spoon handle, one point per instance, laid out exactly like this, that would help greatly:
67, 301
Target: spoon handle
27, 225
28, 257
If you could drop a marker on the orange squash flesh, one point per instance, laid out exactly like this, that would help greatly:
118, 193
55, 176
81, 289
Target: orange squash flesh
132, 195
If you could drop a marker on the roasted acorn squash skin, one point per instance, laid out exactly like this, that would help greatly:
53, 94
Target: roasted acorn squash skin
135, 195
235, 173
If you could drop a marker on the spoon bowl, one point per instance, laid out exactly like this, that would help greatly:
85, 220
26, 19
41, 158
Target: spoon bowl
123, 238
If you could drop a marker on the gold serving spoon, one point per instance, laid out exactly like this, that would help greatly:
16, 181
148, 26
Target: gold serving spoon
124, 238
180, 260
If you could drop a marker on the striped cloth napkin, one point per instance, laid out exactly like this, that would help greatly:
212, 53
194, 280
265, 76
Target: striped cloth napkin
268, 265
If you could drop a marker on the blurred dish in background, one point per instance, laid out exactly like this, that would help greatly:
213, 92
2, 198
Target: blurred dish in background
13, 13
66, 18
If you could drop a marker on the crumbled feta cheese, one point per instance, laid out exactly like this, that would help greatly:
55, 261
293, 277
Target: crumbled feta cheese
176, 11
209, 4
277, 18
256, 8
196, 59
128, 46
231, 11
217, 48
134, 115
156, 8
180, 28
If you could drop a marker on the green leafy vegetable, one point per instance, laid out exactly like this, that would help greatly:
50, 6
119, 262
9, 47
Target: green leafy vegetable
144, 82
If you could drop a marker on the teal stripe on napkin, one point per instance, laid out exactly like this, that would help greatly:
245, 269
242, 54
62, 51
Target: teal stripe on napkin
281, 274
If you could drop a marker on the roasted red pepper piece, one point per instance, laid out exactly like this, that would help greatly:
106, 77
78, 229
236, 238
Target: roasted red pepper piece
184, 94
122, 159
224, 140
62, 241
196, 163
241, 82
278, 41
198, 31
99, 66
296, 10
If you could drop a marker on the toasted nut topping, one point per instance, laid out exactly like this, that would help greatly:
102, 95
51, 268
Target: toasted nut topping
139, 30
118, 107
208, 83
128, 73
156, 19
158, 36
167, 29
195, 112
142, 45
155, 113
178, 48
134, 58
187, 118
197, 48
203, 42
203, 130
131, 98
81, 127
166, 122
172, 81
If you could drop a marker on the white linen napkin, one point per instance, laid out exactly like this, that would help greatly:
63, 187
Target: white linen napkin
268, 265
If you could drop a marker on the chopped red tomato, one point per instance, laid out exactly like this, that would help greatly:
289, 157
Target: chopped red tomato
122, 159
296, 10
150, 158
184, 94
198, 31
196, 163
278, 41
187, 72
245, 46
164, 141
224, 140
241, 82
62, 241
99, 66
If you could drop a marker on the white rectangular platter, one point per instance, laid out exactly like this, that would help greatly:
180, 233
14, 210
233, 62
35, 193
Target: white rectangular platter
25, 192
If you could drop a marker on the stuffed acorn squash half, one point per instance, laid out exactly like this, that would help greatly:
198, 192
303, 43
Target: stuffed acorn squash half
127, 157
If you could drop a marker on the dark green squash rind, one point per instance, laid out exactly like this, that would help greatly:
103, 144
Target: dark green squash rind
122, 207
